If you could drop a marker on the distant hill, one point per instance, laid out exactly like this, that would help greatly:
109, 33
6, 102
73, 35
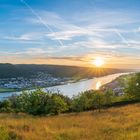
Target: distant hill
27, 70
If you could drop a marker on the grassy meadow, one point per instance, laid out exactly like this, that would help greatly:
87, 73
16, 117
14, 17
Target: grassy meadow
118, 123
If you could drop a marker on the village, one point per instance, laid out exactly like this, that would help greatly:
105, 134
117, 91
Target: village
39, 80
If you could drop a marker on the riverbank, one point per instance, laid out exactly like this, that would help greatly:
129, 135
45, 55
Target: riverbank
4, 90
73, 81
117, 85
73, 89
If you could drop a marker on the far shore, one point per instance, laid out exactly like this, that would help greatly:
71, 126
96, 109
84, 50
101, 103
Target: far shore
7, 90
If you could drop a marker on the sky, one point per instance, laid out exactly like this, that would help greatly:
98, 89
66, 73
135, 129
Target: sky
70, 32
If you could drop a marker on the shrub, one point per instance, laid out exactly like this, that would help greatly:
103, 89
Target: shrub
88, 100
109, 97
39, 102
5, 106
56, 105
133, 87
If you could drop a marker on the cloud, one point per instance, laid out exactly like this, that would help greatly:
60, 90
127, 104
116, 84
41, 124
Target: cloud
69, 35
52, 19
98, 24
82, 34
33, 36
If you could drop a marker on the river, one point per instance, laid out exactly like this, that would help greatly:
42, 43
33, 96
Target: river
72, 89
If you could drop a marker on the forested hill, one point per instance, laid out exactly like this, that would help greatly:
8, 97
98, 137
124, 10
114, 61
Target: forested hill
24, 70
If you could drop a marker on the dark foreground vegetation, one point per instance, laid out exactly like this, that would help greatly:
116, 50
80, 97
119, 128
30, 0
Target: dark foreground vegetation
45, 103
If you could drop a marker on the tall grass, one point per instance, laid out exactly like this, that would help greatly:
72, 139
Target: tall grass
121, 123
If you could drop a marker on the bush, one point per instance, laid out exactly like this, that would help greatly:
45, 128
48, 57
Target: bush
109, 97
38, 102
45, 103
88, 100
56, 105
5, 106
133, 87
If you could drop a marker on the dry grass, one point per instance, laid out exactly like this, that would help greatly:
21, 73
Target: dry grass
122, 123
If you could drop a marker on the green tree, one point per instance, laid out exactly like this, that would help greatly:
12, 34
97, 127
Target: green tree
83, 101
39, 102
98, 100
6, 106
133, 87
108, 97
56, 105
79, 103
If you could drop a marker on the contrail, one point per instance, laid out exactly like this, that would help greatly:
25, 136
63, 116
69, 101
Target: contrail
113, 30
40, 19
121, 36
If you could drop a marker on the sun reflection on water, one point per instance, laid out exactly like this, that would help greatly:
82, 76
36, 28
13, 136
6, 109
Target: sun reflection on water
98, 85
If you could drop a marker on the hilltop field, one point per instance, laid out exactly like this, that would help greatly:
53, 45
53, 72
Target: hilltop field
120, 123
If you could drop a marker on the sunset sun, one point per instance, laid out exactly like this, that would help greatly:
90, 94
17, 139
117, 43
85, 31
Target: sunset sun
98, 62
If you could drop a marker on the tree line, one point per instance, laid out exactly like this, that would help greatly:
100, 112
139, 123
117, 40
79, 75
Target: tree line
46, 103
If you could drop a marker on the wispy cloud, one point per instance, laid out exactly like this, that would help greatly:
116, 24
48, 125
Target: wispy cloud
27, 37
103, 31
40, 19
90, 24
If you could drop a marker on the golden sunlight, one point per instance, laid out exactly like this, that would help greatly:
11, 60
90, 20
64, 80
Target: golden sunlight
98, 62
98, 85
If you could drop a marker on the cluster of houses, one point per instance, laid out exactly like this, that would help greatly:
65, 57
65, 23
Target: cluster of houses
115, 86
39, 80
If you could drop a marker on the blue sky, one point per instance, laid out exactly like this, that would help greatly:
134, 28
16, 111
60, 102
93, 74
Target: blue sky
71, 32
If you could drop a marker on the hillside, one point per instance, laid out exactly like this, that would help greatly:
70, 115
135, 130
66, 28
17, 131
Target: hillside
115, 123
22, 70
